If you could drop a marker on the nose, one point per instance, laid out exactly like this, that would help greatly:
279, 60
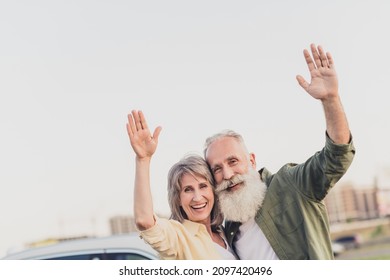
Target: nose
227, 173
197, 196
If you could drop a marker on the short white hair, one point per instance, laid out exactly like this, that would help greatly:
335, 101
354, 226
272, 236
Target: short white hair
223, 134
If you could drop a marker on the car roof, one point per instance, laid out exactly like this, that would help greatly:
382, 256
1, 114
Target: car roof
118, 243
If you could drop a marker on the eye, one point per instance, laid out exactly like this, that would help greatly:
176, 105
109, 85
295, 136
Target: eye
187, 189
202, 186
216, 169
233, 161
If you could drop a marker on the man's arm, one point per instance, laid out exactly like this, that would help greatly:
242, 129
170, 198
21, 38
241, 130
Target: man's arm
324, 86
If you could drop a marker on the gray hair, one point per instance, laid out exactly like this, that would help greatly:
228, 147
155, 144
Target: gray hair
194, 165
223, 134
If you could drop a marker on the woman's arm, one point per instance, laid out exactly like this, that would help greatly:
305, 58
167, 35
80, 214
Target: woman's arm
144, 146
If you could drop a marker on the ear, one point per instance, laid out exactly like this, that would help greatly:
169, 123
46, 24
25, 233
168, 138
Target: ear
252, 159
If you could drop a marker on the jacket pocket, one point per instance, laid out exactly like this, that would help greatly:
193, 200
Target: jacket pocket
286, 217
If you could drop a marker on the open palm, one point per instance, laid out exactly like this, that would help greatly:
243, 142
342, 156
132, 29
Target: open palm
324, 83
143, 143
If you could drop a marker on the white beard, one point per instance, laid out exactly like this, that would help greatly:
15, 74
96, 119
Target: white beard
242, 204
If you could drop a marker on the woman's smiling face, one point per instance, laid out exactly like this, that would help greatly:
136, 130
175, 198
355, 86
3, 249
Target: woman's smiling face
196, 198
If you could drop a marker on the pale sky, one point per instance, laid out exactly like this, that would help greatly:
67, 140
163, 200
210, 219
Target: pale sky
70, 71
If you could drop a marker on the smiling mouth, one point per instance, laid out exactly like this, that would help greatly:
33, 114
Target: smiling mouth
233, 187
199, 206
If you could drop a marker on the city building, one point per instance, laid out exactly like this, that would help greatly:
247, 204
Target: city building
346, 203
122, 224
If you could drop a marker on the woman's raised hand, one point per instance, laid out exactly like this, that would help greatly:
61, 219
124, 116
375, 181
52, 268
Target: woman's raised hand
143, 142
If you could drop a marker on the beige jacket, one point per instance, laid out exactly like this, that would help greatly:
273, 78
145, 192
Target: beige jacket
180, 241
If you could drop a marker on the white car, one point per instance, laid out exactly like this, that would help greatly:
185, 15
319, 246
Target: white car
337, 248
116, 247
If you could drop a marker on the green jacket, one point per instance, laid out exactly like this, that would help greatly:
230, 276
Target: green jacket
293, 216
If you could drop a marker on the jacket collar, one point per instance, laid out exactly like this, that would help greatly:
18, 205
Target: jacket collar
194, 227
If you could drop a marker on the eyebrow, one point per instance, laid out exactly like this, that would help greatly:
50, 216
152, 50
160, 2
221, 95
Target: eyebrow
231, 157
201, 181
227, 159
215, 166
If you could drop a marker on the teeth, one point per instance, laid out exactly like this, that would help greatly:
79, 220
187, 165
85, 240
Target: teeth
199, 206
232, 186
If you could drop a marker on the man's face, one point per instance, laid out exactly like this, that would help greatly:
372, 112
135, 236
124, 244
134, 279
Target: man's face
228, 157
238, 185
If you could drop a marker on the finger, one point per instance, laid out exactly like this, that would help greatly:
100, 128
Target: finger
309, 60
129, 132
302, 82
324, 59
316, 55
156, 133
137, 120
142, 120
130, 125
330, 60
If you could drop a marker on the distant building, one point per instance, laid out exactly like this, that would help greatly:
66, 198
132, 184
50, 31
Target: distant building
346, 203
341, 204
122, 224
384, 203
51, 241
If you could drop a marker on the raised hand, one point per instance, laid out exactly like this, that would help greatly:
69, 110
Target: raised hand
324, 82
144, 144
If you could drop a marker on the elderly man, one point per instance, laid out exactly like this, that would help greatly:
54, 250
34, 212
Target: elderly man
282, 215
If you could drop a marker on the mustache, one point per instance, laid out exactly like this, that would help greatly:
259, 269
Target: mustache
226, 184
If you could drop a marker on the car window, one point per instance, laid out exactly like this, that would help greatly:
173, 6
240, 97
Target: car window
79, 257
125, 256
105, 256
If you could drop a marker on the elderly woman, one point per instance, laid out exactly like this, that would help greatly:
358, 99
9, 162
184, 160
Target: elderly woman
194, 229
